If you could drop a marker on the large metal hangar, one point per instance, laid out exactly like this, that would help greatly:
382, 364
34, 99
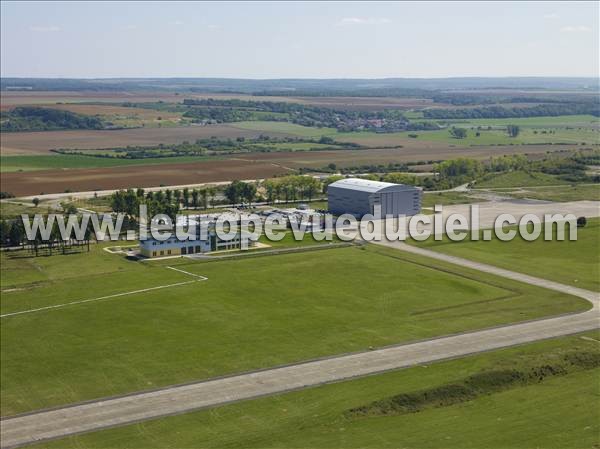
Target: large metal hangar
360, 196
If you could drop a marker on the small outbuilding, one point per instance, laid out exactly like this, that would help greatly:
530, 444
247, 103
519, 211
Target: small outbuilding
360, 196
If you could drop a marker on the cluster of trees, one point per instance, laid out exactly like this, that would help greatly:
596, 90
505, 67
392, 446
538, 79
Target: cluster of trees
513, 130
227, 115
571, 169
12, 234
292, 188
29, 118
542, 110
166, 201
240, 192
458, 133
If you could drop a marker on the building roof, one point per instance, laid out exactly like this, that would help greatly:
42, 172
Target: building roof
364, 185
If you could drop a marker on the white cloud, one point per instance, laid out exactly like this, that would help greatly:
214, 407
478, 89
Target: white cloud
363, 21
551, 16
44, 28
130, 27
214, 27
176, 22
576, 29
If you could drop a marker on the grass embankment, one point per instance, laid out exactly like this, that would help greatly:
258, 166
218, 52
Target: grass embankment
447, 198
477, 385
560, 194
14, 208
517, 179
559, 412
570, 262
251, 313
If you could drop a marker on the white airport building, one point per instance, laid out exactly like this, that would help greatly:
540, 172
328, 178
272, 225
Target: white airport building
205, 239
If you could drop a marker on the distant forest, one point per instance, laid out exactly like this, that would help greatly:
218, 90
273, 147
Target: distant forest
331, 87
26, 118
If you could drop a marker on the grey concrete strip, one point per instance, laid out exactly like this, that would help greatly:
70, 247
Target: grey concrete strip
25, 429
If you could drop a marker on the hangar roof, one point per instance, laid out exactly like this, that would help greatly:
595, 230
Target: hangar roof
365, 185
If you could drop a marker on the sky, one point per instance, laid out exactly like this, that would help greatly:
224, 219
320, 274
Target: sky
299, 39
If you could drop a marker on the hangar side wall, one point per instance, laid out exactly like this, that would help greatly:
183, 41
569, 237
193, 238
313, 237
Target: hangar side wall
348, 201
404, 202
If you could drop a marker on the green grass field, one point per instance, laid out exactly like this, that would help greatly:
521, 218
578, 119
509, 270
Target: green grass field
285, 127
297, 146
561, 121
559, 413
499, 137
571, 262
251, 313
534, 130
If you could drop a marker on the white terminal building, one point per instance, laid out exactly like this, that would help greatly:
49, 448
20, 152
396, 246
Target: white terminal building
360, 196
206, 239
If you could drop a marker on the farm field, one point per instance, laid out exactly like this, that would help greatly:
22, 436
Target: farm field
284, 128
423, 152
535, 130
41, 142
570, 262
561, 121
48, 98
10, 99
154, 172
527, 136
68, 161
280, 309
556, 413
25, 98
487, 137
152, 175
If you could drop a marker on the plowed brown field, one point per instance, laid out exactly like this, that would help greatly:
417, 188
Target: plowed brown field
244, 166
57, 181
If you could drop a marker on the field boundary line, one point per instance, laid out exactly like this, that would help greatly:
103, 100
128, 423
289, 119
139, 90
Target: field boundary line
116, 295
202, 278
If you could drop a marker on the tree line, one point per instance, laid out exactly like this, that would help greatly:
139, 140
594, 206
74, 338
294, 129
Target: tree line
12, 234
542, 110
